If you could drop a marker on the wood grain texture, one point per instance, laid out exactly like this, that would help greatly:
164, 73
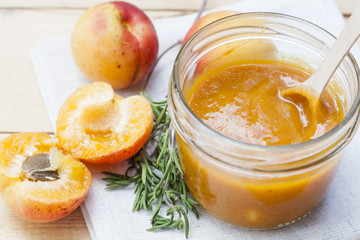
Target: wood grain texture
70, 227
158, 5
22, 23
346, 6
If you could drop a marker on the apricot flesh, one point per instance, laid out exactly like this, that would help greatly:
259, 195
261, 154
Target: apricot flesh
36, 195
98, 126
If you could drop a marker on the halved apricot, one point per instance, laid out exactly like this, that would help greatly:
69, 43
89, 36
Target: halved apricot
98, 126
37, 180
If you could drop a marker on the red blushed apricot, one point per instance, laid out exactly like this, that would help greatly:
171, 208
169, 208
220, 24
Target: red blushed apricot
115, 34
39, 182
205, 20
98, 126
234, 51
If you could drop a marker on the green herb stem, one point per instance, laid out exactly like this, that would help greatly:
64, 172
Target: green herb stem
158, 177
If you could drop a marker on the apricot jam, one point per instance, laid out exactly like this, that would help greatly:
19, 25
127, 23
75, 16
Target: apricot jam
243, 101
250, 156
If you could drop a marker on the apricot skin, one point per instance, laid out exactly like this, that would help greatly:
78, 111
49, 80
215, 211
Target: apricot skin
205, 20
233, 51
115, 42
39, 211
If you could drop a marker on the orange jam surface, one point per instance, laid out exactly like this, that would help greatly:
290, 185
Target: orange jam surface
242, 101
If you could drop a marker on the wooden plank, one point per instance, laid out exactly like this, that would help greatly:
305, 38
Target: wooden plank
21, 104
346, 6
70, 227
159, 5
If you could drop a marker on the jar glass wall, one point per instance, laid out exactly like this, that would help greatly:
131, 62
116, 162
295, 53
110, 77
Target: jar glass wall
250, 185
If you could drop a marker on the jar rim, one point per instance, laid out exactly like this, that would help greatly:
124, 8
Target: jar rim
354, 107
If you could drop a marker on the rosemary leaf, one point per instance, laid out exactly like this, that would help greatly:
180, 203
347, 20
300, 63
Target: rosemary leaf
158, 176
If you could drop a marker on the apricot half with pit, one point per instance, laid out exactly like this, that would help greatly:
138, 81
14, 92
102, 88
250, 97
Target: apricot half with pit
37, 180
98, 126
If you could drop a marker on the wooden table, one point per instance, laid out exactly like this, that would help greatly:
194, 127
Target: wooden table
22, 23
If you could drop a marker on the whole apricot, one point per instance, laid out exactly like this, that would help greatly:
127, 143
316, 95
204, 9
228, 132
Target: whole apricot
115, 42
205, 20
233, 51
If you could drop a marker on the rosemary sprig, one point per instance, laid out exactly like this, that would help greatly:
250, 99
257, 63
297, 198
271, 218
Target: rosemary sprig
157, 175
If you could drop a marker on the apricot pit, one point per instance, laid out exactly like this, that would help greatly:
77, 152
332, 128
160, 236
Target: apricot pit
38, 168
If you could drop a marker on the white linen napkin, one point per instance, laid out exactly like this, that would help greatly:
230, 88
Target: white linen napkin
108, 213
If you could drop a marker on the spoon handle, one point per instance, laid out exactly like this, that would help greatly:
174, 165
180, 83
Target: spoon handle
346, 40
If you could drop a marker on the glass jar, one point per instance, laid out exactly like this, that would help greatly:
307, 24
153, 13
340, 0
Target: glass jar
257, 186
